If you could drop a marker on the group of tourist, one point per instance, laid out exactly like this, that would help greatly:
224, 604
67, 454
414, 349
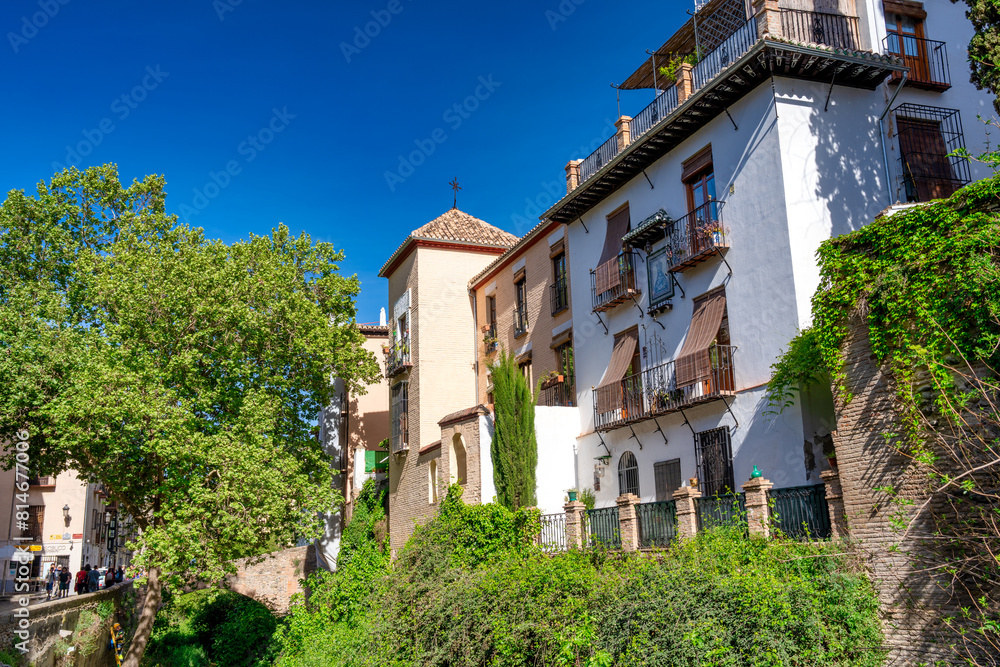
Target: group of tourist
88, 580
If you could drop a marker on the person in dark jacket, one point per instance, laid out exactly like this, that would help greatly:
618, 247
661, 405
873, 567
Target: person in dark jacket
119, 575
64, 578
93, 580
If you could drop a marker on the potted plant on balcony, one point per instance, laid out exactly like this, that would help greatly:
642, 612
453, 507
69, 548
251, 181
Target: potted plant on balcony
551, 379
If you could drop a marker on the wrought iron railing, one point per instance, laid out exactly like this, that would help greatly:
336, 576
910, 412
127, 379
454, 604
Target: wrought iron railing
722, 510
801, 511
553, 534
603, 155
657, 524
926, 58
558, 394
606, 294
654, 391
41, 481
661, 107
835, 30
490, 342
520, 320
559, 294
725, 54
603, 529
397, 358
696, 235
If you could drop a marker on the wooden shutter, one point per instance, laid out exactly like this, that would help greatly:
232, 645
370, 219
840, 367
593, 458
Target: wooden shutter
693, 362
925, 157
609, 395
668, 479
618, 226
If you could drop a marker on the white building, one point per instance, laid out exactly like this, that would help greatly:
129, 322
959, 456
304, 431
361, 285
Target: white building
693, 231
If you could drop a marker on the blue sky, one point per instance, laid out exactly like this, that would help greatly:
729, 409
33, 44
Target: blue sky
265, 112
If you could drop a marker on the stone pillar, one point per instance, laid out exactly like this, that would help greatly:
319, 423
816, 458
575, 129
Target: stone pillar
758, 513
685, 82
835, 504
628, 522
572, 175
687, 511
624, 134
574, 524
768, 18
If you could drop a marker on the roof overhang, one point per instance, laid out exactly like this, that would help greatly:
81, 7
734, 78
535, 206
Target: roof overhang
512, 254
413, 242
766, 58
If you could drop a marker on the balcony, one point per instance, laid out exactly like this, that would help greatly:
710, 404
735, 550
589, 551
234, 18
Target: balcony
559, 391
520, 320
696, 236
490, 343
397, 355
809, 27
613, 282
44, 483
926, 58
559, 295
654, 391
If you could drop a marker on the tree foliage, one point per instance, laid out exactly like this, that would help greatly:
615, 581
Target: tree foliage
514, 448
182, 373
984, 47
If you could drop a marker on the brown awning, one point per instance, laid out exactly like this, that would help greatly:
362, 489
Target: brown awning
693, 362
609, 392
618, 226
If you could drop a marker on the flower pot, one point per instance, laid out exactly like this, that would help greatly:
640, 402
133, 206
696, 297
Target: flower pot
572, 496
833, 461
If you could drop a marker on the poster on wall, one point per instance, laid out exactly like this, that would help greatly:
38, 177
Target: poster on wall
661, 283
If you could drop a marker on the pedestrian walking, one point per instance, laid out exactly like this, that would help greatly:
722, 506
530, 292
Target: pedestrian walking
119, 575
81, 580
50, 580
93, 580
64, 578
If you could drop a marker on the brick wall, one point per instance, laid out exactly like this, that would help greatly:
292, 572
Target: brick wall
275, 579
538, 276
915, 600
468, 430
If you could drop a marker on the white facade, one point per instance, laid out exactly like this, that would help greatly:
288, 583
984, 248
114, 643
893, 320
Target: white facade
793, 169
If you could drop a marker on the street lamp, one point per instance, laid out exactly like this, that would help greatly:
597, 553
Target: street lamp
66, 516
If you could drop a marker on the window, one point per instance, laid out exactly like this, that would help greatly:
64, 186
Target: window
560, 286
432, 487
400, 430
525, 367
491, 324
564, 360
619, 395
520, 308
667, 475
628, 474
713, 449
701, 225
613, 280
457, 460
926, 58
704, 364
32, 528
926, 136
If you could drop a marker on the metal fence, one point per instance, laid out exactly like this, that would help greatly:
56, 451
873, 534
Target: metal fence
603, 529
603, 155
657, 524
725, 54
801, 511
661, 107
723, 510
553, 535
926, 58
836, 30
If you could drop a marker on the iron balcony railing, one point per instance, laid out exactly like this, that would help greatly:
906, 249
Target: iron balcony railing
835, 30
552, 537
654, 391
490, 338
695, 236
724, 55
657, 524
520, 321
661, 107
603, 155
801, 511
41, 481
614, 281
603, 529
559, 295
397, 358
926, 58
722, 510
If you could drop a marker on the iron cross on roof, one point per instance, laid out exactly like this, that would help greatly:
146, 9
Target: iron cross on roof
455, 187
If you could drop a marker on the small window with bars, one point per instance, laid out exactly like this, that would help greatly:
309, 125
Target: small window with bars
399, 415
628, 474
32, 528
667, 475
714, 452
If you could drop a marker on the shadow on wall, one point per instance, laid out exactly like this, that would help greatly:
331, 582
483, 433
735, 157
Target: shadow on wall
850, 167
790, 466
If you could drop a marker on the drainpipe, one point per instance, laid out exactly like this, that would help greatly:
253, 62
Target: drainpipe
882, 137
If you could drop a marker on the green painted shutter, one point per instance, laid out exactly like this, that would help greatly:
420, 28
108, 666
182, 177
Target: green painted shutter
381, 461
369, 460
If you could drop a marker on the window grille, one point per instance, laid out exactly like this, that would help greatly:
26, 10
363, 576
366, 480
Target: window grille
628, 474
927, 136
715, 461
400, 429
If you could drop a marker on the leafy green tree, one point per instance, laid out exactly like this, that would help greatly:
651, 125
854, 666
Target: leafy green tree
984, 48
514, 448
183, 373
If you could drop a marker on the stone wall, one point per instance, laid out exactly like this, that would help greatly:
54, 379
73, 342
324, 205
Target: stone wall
75, 630
915, 599
275, 579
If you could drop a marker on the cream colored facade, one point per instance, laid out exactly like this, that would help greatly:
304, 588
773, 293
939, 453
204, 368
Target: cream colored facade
367, 418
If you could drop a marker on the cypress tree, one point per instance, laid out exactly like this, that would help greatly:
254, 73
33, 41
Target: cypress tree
514, 449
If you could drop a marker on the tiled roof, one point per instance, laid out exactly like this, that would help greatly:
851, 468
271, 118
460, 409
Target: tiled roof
462, 415
457, 227
516, 248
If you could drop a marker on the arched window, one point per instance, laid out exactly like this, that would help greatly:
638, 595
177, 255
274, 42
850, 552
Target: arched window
457, 460
628, 474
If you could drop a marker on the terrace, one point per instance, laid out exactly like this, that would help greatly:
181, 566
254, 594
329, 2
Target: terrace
732, 54
397, 354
